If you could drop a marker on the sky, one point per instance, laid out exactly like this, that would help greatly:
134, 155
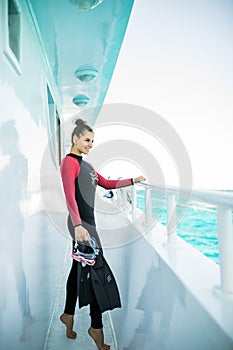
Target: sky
177, 60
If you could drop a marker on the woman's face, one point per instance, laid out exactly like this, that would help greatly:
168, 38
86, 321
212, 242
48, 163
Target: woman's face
84, 143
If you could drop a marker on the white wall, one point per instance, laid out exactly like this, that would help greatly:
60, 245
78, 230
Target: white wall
29, 268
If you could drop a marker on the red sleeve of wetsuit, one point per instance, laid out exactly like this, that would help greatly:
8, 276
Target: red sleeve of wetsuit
111, 184
69, 171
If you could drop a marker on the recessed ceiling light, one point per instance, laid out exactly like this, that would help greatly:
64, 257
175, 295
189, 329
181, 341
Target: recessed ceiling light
81, 100
86, 73
85, 5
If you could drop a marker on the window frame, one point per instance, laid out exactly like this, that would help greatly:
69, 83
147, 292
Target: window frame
7, 50
54, 131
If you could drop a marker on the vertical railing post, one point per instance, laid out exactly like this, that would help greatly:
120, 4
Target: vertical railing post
225, 242
124, 197
171, 219
134, 201
148, 207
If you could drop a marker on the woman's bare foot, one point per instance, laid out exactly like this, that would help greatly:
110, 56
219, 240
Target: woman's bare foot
98, 336
68, 321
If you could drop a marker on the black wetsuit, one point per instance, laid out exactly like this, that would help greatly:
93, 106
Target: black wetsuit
79, 182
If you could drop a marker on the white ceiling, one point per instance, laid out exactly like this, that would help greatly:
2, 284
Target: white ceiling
73, 38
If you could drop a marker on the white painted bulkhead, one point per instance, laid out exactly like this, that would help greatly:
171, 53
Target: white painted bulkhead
29, 242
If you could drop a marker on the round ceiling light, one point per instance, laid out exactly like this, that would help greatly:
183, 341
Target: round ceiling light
86, 73
86, 5
81, 100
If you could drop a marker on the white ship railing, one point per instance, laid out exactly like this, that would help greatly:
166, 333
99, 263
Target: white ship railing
224, 203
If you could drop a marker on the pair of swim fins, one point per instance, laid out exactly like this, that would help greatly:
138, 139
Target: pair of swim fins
98, 279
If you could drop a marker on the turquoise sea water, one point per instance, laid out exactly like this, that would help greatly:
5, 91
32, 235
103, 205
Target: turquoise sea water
196, 222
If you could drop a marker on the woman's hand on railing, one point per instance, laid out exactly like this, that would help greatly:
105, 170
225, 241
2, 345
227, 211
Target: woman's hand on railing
139, 179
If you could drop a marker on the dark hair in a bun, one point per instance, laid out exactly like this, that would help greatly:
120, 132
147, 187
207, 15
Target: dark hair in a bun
80, 122
80, 128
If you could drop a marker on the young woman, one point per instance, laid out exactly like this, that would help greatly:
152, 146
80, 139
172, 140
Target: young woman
79, 182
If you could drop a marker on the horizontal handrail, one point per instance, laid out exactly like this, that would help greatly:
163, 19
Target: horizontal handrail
218, 198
